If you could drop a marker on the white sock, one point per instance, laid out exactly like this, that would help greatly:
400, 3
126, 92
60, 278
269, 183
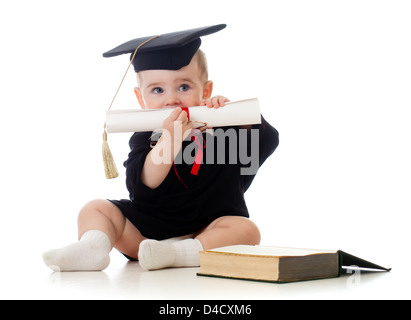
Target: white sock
170, 240
91, 253
154, 254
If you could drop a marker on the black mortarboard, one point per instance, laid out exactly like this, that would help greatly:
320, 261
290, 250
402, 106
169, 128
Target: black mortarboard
170, 51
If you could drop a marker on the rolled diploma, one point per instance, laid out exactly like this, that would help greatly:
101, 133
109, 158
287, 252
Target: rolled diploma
244, 112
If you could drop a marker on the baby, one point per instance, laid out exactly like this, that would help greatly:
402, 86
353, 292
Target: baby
172, 214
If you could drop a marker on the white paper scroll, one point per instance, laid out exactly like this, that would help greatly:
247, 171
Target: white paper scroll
244, 112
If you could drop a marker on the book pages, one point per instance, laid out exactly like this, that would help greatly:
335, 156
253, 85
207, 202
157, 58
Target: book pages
268, 251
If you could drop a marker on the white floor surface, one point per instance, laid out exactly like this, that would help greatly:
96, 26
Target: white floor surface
127, 280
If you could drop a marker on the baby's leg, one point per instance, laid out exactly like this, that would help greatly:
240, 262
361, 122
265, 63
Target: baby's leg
228, 230
101, 225
105, 216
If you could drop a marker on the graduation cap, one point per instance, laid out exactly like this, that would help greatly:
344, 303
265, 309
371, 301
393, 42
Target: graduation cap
170, 51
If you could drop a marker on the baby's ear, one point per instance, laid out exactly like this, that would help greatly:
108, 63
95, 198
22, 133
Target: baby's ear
208, 89
139, 97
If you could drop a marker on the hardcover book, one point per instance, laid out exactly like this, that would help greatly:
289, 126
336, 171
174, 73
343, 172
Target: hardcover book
279, 264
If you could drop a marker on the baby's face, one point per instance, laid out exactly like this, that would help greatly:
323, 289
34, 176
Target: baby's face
168, 88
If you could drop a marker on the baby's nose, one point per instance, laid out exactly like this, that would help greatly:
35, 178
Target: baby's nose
173, 101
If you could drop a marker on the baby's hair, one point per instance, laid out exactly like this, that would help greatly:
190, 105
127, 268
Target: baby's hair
201, 62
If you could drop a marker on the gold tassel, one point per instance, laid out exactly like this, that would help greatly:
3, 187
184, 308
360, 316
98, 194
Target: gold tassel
109, 164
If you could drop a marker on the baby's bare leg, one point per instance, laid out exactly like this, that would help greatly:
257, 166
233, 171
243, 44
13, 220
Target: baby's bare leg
101, 215
101, 225
229, 230
105, 216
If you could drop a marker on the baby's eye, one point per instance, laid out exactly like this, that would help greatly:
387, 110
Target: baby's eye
158, 90
184, 87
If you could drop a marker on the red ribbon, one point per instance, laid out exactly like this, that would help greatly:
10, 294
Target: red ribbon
175, 170
197, 139
199, 154
186, 111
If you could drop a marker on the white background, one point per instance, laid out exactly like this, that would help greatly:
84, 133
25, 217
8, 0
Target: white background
333, 77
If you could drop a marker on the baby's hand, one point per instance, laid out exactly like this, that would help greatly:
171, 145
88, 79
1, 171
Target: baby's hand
214, 102
178, 117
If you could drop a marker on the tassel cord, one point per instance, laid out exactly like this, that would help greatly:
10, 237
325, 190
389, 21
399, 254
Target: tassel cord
108, 160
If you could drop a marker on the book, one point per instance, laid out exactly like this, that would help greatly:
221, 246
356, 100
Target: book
279, 264
244, 112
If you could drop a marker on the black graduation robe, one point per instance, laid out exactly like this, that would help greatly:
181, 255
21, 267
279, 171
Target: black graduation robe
181, 207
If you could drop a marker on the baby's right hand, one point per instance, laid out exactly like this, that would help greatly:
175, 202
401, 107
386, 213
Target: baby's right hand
177, 118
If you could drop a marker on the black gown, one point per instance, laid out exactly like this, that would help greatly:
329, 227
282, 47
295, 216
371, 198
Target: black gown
185, 203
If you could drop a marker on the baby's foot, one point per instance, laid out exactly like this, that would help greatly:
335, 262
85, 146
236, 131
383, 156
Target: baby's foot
155, 254
91, 253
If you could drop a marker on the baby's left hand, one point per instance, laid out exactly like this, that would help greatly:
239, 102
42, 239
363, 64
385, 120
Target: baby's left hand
214, 102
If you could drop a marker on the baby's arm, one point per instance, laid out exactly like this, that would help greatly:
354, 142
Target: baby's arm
154, 171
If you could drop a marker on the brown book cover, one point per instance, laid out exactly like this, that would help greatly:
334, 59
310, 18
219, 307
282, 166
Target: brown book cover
279, 264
